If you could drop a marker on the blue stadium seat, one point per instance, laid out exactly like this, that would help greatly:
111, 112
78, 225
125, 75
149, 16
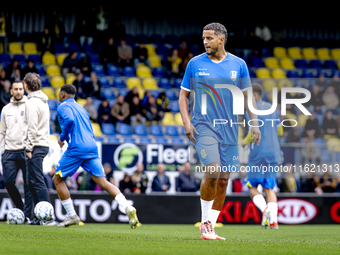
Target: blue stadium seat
162, 140
104, 82
35, 58
113, 139
170, 94
113, 71
52, 104
99, 70
124, 129
158, 72
155, 93
315, 63
45, 82
108, 129
72, 46
108, 93
96, 102
252, 74
164, 83
99, 139
129, 139
95, 59
174, 106
326, 156
41, 69
177, 83
20, 57
145, 140
156, 130
5, 58
256, 61
292, 74
177, 141
330, 64
307, 74
300, 63
88, 48
140, 130
156, 39
59, 48
119, 83
141, 37
123, 91
129, 71
319, 141
171, 130
183, 131
53, 115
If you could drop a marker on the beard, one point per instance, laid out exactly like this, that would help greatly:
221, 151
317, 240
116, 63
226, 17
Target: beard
212, 51
18, 97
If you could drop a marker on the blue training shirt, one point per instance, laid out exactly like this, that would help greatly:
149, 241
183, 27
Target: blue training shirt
76, 130
269, 150
201, 76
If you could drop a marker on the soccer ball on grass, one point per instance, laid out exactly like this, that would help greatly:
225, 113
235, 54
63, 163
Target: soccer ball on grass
15, 216
44, 211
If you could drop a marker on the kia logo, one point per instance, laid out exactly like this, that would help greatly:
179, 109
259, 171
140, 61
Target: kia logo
295, 211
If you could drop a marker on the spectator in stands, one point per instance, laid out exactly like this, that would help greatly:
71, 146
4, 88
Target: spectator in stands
136, 112
57, 29
46, 42
117, 29
104, 113
48, 179
278, 35
186, 60
11, 68
183, 50
153, 111
126, 185
163, 101
294, 135
174, 64
85, 65
185, 182
330, 99
5, 30
140, 54
289, 183
263, 32
120, 111
124, 54
83, 32
17, 76
336, 84
131, 94
85, 181
161, 182
327, 183
140, 179
5, 94
316, 99
109, 173
322, 82
329, 125
311, 153
29, 68
70, 64
307, 182
91, 109
312, 129
80, 85
71, 183
94, 86
109, 54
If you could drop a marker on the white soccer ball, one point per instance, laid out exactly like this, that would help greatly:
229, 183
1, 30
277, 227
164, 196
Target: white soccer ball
15, 216
44, 211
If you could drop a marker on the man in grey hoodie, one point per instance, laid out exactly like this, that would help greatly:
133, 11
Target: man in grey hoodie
36, 136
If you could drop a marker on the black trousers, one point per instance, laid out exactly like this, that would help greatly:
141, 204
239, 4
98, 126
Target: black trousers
35, 174
12, 162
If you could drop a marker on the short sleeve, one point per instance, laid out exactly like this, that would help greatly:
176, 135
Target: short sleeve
244, 77
187, 78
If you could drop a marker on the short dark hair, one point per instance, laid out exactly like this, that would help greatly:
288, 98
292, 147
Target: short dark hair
33, 81
257, 88
23, 86
69, 89
218, 29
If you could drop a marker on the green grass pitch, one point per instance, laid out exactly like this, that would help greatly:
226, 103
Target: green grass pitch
167, 239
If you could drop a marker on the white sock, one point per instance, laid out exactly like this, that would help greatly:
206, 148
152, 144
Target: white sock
214, 216
206, 210
260, 202
68, 205
121, 200
272, 206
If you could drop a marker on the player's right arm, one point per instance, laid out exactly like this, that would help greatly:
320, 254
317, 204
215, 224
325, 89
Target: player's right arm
67, 122
3, 131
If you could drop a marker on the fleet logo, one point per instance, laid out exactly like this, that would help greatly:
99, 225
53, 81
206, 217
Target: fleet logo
233, 75
126, 156
295, 211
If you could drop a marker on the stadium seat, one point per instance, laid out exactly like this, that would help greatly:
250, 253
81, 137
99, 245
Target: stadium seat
49, 92
108, 93
287, 63
57, 81
53, 115
108, 129
171, 95
168, 119
307, 74
124, 129
143, 72
177, 83
20, 57
61, 57
140, 130
333, 144
309, 53
335, 53
151, 49
81, 101
284, 83
30, 48
150, 83
177, 140
145, 140
155, 61
158, 72
53, 70
315, 63
302, 119
271, 62
173, 106
113, 139
113, 71
178, 119
129, 139
59, 48
171, 130
280, 52
323, 53
5, 58
301, 63
330, 64
269, 84
133, 82
292, 74
162, 140
156, 130
99, 70
256, 61
104, 82
294, 53
48, 58
95, 59
119, 83
263, 73
129, 71
36, 58
57, 92
70, 78
41, 69
15, 48
164, 83
278, 73
326, 156
96, 129
156, 39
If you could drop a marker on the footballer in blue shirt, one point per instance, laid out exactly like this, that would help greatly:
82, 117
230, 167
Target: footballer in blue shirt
214, 77
82, 152
263, 161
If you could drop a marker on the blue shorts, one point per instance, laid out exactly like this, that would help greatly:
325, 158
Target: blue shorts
210, 150
264, 174
68, 166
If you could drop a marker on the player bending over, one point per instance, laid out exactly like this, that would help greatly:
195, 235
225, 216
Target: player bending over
207, 75
82, 152
268, 153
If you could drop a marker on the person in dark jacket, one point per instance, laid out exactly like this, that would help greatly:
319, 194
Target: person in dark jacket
161, 182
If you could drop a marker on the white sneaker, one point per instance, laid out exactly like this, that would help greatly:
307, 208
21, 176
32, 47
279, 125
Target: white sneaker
131, 212
74, 220
265, 218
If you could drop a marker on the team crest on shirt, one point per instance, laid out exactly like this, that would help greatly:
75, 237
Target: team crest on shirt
204, 155
233, 75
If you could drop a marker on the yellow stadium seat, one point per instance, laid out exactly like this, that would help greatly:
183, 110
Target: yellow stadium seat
141, 93
335, 53
168, 119
150, 83
15, 48
287, 63
280, 52
30, 48
302, 119
292, 116
284, 83
263, 73
96, 129
48, 58
269, 84
57, 81
323, 53
178, 119
155, 61
309, 53
70, 78
81, 101
61, 57
333, 144
278, 73
294, 52
49, 92
53, 70
271, 62
143, 72
151, 49
133, 82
